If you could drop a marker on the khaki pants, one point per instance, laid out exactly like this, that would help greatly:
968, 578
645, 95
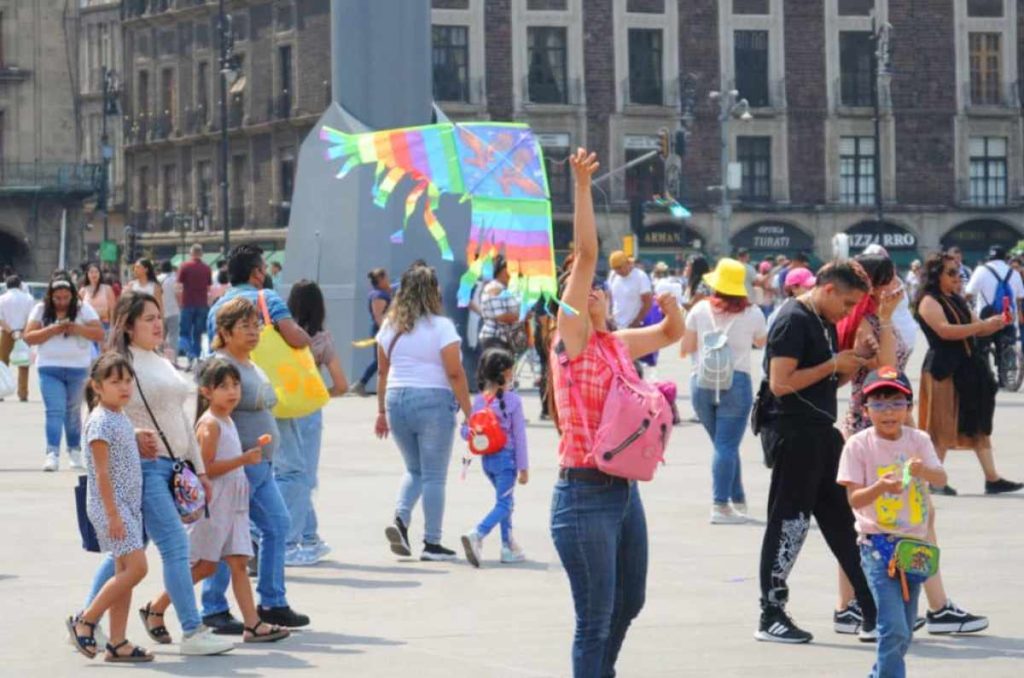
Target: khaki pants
6, 346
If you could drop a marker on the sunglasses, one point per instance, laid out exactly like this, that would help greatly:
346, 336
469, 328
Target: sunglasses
888, 405
952, 272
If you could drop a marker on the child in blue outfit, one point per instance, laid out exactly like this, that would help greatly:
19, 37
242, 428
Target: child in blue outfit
495, 370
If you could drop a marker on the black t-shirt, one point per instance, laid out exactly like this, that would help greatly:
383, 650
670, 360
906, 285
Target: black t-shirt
800, 333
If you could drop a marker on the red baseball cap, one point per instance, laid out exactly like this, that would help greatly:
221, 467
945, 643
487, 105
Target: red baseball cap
887, 377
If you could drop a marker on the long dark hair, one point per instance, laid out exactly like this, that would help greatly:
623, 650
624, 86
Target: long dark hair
108, 365
878, 267
150, 269
127, 310
931, 277
376, 275
214, 373
306, 302
494, 362
698, 267
99, 276
60, 280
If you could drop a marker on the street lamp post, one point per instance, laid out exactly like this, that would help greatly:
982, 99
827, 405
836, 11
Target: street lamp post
880, 35
226, 69
106, 150
730, 106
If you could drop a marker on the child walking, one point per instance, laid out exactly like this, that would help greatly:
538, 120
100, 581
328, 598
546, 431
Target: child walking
495, 370
886, 470
114, 506
225, 534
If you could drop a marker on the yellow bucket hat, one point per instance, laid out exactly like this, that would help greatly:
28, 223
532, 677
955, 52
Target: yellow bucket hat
727, 278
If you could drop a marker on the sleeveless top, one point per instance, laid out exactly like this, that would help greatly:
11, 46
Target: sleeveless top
944, 356
857, 416
594, 378
230, 490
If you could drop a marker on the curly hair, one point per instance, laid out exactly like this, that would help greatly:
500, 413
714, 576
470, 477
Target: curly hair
418, 296
931, 277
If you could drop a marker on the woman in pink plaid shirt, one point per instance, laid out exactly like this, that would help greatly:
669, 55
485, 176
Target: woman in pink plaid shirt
597, 520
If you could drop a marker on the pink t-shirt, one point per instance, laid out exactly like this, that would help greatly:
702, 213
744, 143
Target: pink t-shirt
866, 458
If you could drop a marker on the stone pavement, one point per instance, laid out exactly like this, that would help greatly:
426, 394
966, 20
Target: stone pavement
374, 615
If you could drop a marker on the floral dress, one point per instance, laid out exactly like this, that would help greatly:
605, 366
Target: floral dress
856, 417
116, 430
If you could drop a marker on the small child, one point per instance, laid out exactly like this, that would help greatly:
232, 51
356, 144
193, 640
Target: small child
225, 534
114, 506
872, 469
496, 369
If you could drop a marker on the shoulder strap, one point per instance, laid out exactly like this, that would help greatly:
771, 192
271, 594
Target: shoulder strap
391, 346
152, 418
262, 302
574, 391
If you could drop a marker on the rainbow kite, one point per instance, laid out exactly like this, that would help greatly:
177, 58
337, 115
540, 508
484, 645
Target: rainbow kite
497, 167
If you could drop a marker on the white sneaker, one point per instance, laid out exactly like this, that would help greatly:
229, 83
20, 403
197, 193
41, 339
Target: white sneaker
472, 545
298, 556
512, 553
52, 462
741, 509
723, 514
76, 459
202, 642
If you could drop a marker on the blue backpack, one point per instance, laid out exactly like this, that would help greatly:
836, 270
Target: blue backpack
1004, 293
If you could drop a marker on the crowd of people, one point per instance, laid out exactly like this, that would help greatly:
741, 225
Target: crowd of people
173, 419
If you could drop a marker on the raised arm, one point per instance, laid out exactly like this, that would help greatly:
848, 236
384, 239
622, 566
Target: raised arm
575, 328
931, 312
643, 340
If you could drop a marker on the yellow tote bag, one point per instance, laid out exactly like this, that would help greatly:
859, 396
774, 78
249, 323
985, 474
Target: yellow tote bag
292, 372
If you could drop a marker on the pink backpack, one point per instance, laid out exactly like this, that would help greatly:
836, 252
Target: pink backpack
635, 423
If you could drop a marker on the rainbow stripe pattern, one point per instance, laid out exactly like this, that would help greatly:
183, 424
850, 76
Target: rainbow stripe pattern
498, 167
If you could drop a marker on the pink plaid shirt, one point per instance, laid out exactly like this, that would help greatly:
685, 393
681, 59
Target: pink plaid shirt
594, 377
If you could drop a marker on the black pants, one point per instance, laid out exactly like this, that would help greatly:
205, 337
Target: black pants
804, 485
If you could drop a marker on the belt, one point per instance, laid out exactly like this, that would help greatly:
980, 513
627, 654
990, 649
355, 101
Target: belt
590, 475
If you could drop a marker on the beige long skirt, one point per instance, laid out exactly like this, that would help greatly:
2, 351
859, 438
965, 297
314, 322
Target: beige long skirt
938, 409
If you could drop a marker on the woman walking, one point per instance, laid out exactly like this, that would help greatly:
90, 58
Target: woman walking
420, 387
724, 413
159, 397
146, 281
378, 301
63, 331
597, 520
958, 390
98, 294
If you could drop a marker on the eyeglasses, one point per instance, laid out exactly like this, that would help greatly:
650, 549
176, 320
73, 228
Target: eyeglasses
888, 405
250, 325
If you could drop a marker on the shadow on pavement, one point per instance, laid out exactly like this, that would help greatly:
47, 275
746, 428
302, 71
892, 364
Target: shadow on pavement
231, 664
356, 583
374, 569
969, 647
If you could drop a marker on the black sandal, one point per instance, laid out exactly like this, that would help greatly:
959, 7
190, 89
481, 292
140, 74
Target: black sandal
276, 633
84, 644
158, 634
138, 654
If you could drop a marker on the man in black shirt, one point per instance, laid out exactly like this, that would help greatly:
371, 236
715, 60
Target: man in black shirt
804, 370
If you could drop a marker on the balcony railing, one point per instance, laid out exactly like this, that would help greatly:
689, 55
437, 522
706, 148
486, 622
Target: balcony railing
858, 96
1007, 96
980, 194
280, 106
774, 96
139, 221
12, 73
50, 177
164, 126
645, 92
236, 217
571, 93
282, 214
236, 113
196, 120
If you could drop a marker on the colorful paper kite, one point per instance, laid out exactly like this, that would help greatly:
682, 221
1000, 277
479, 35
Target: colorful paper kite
498, 167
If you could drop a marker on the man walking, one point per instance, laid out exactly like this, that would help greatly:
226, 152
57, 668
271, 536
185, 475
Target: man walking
803, 447
15, 306
632, 292
194, 278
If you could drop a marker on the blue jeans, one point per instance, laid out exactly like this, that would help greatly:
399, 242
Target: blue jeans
504, 483
895, 617
163, 526
422, 421
193, 324
726, 423
600, 532
63, 389
295, 468
268, 512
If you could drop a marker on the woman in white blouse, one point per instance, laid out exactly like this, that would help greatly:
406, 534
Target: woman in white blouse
146, 281
138, 333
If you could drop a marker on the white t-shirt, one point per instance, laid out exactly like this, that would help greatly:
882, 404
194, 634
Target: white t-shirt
983, 283
168, 283
626, 293
416, 357
743, 329
904, 323
671, 286
15, 307
61, 351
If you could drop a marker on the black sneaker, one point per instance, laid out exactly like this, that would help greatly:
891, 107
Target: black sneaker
436, 552
224, 624
946, 490
1002, 486
951, 619
868, 633
848, 619
919, 623
777, 627
282, 616
398, 537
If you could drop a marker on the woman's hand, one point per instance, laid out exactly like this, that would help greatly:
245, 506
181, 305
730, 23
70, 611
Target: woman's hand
147, 442
584, 165
381, 428
115, 527
991, 325
524, 476
253, 456
888, 304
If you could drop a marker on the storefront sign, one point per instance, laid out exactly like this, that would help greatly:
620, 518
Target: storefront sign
891, 237
668, 234
553, 140
639, 143
774, 237
981, 234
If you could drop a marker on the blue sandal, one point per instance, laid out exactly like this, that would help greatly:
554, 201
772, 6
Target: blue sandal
138, 654
84, 644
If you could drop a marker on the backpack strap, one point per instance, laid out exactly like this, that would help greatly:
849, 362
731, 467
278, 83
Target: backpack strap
575, 396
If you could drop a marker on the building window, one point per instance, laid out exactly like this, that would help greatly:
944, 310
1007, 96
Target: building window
170, 186
167, 103
204, 192
2, 24
984, 8
755, 157
451, 63
556, 164
142, 204
750, 51
645, 6
236, 103
285, 18
142, 95
239, 181
988, 171
645, 180
751, 7
986, 67
856, 68
645, 54
203, 92
286, 185
856, 7
283, 105
857, 170
546, 52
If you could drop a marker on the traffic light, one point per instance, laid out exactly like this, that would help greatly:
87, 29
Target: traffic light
663, 143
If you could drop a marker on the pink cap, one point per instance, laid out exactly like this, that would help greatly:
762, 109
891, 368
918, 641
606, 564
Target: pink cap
800, 277
764, 267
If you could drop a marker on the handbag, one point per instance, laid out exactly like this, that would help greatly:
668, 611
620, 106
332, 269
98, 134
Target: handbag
292, 371
21, 355
186, 489
8, 386
912, 560
85, 529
